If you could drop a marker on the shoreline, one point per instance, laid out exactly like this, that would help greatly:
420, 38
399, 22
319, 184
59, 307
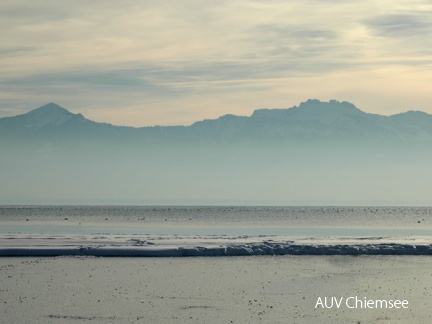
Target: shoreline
43, 245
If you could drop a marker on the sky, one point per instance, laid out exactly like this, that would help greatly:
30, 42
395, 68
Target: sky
145, 62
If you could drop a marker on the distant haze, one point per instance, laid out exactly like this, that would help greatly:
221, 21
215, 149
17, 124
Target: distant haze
316, 153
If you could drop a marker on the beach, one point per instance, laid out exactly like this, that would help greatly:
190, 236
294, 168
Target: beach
247, 289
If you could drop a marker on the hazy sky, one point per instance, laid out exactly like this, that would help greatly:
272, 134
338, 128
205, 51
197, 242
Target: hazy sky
145, 62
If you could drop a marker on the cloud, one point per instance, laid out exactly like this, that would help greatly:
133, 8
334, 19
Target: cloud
296, 43
14, 51
222, 55
401, 25
404, 38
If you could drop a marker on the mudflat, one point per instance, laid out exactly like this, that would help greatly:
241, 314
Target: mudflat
248, 289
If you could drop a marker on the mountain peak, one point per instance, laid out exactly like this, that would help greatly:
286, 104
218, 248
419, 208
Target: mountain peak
332, 105
311, 109
49, 107
49, 114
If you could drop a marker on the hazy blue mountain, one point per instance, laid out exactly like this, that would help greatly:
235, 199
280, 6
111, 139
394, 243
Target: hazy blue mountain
50, 115
317, 121
50, 122
312, 121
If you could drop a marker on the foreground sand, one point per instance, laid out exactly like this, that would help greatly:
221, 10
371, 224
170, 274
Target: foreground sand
259, 289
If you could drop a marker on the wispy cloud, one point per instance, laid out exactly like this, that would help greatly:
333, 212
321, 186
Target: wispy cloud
402, 25
209, 58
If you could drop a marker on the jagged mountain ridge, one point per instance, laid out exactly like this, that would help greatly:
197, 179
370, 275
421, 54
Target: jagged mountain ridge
310, 121
314, 118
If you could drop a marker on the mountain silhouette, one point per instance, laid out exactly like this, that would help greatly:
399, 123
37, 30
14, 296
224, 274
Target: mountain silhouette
49, 115
311, 121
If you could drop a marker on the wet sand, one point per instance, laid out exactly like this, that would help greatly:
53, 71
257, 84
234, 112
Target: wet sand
256, 289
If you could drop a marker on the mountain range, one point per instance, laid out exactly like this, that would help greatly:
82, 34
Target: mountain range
312, 121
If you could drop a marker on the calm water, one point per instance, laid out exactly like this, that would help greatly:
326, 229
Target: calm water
171, 220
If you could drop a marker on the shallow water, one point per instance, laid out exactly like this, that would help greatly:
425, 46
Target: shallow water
212, 231
199, 220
